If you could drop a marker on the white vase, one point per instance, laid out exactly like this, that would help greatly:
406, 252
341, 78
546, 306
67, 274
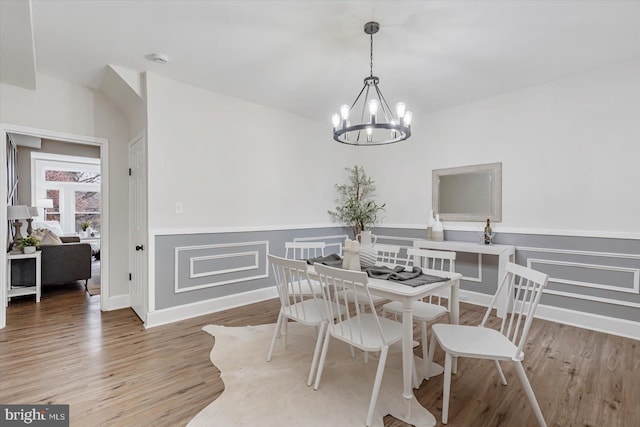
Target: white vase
29, 249
366, 238
437, 233
430, 222
354, 257
346, 253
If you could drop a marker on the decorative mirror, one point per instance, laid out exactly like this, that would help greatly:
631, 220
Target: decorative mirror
468, 193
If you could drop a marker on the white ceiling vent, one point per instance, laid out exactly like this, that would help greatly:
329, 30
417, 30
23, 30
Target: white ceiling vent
158, 58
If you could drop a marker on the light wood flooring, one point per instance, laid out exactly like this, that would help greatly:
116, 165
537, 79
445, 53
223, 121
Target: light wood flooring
114, 372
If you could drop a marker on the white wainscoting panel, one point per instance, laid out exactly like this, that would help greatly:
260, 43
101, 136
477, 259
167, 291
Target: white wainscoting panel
634, 272
194, 260
253, 265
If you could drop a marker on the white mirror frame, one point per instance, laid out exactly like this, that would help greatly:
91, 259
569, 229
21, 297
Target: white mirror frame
495, 172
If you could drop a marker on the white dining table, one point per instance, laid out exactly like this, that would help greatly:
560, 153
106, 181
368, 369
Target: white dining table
406, 295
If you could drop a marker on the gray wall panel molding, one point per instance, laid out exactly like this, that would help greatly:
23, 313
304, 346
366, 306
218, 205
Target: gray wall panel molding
194, 267
579, 252
589, 275
205, 266
595, 275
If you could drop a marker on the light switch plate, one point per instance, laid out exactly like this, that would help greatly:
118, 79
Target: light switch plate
179, 207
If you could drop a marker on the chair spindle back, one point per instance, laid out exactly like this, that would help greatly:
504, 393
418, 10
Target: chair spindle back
524, 288
432, 260
293, 285
387, 254
304, 250
341, 287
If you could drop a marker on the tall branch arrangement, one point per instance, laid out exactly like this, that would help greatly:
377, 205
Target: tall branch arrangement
355, 205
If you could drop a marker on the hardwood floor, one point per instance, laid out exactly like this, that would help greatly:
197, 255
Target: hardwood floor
114, 372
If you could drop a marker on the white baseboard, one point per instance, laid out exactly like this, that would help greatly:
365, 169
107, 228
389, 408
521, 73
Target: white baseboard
594, 322
200, 308
117, 302
475, 298
579, 319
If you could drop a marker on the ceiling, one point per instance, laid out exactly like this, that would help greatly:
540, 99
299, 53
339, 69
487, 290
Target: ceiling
309, 57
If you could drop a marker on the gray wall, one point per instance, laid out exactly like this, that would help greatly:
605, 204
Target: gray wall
588, 274
215, 265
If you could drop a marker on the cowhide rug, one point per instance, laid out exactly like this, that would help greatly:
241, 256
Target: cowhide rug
261, 393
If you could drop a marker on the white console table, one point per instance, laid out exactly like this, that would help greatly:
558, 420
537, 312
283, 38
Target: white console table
505, 253
24, 290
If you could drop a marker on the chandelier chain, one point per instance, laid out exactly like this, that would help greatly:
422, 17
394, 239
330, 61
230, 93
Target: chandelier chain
371, 56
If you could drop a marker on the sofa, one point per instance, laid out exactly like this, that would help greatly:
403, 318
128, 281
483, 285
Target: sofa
68, 262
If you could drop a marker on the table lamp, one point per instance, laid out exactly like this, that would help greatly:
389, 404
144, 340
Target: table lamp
44, 203
33, 211
15, 214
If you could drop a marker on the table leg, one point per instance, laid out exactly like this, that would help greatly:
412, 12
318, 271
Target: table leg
6, 300
38, 278
407, 355
504, 300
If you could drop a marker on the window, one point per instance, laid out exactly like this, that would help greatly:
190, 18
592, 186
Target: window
87, 209
53, 214
73, 184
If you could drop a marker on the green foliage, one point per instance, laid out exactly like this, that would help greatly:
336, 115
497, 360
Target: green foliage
28, 241
85, 225
356, 207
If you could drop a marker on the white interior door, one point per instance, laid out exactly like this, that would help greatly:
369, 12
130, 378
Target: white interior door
138, 227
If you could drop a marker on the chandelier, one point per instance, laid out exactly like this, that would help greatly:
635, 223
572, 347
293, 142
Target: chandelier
378, 125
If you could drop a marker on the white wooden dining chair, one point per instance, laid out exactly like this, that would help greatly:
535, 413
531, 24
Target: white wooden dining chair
304, 251
365, 331
387, 254
479, 342
297, 303
426, 310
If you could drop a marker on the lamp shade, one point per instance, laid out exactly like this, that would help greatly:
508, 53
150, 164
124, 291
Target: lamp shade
18, 212
44, 203
33, 211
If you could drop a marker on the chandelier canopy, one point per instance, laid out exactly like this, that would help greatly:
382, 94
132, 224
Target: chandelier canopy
378, 124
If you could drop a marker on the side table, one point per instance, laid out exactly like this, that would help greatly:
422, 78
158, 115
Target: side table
24, 290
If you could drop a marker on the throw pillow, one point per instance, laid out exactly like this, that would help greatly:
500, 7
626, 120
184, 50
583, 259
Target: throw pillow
50, 225
368, 256
46, 237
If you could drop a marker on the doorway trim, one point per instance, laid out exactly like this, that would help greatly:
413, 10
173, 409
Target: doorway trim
103, 143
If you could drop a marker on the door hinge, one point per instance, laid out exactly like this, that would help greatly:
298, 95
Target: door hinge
129, 276
129, 171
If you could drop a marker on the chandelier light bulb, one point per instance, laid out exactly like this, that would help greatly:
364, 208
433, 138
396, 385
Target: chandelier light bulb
373, 107
400, 109
344, 111
369, 132
407, 118
335, 118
